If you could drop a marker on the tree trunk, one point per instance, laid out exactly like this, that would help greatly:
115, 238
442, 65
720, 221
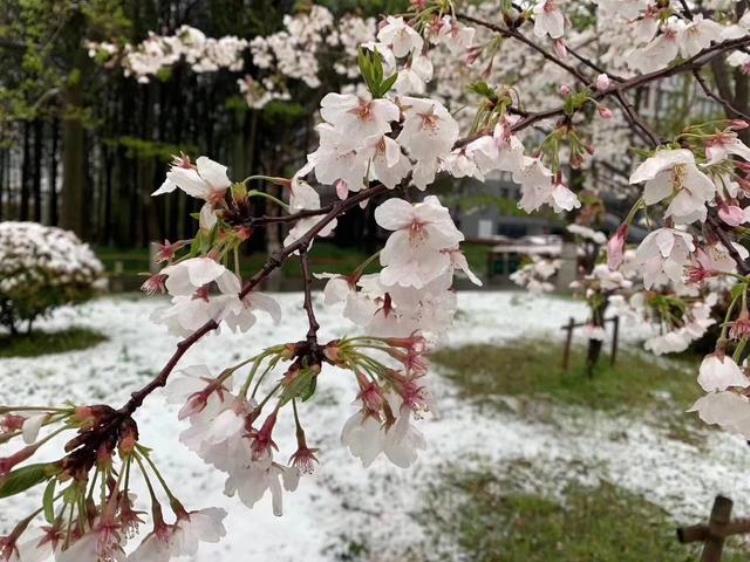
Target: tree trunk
53, 208
25, 172
37, 177
73, 212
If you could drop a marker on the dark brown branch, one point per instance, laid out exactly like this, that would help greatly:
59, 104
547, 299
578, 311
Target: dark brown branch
99, 435
636, 123
507, 32
695, 62
730, 109
718, 229
312, 333
267, 219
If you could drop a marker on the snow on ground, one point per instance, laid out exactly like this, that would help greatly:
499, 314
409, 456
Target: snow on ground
343, 502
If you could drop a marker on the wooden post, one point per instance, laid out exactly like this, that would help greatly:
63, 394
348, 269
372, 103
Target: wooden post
720, 515
568, 341
615, 338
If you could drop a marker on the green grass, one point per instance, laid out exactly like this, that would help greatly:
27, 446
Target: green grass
534, 368
489, 520
43, 343
637, 383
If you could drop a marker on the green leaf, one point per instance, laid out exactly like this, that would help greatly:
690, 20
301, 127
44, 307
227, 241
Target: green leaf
484, 90
24, 478
386, 86
48, 501
309, 391
303, 386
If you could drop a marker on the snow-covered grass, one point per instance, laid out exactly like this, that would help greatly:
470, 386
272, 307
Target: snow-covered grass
343, 504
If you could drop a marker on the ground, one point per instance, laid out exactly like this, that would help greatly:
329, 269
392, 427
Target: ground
532, 460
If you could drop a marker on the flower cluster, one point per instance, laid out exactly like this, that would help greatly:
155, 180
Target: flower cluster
89, 509
40, 268
159, 52
376, 142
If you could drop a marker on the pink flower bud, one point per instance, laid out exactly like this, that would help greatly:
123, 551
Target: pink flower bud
615, 247
342, 189
565, 90
602, 83
605, 112
739, 125
561, 48
731, 214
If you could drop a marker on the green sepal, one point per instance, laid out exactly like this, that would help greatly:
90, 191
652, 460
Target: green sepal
48, 501
26, 477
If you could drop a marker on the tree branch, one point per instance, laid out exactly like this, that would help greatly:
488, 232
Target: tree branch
507, 32
718, 229
693, 63
98, 435
312, 333
730, 109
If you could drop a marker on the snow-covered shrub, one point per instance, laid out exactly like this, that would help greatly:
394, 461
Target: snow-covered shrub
42, 267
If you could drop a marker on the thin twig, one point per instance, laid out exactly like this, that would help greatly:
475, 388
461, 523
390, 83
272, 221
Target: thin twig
312, 333
637, 123
731, 109
742, 265
523, 39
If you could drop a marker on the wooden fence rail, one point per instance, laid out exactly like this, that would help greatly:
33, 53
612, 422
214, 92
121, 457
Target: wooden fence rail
720, 526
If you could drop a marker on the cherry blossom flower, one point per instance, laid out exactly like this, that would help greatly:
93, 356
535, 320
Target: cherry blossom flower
302, 195
403, 440
205, 180
335, 160
659, 52
193, 305
720, 372
400, 37
429, 131
413, 77
157, 546
103, 542
662, 255
697, 35
356, 118
456, 36
549, 19
673, 173
250, 479
724, 145
389, 164
501, 151
536, 184
727, 409
363, 436
413, 255
186, 277
194, 527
